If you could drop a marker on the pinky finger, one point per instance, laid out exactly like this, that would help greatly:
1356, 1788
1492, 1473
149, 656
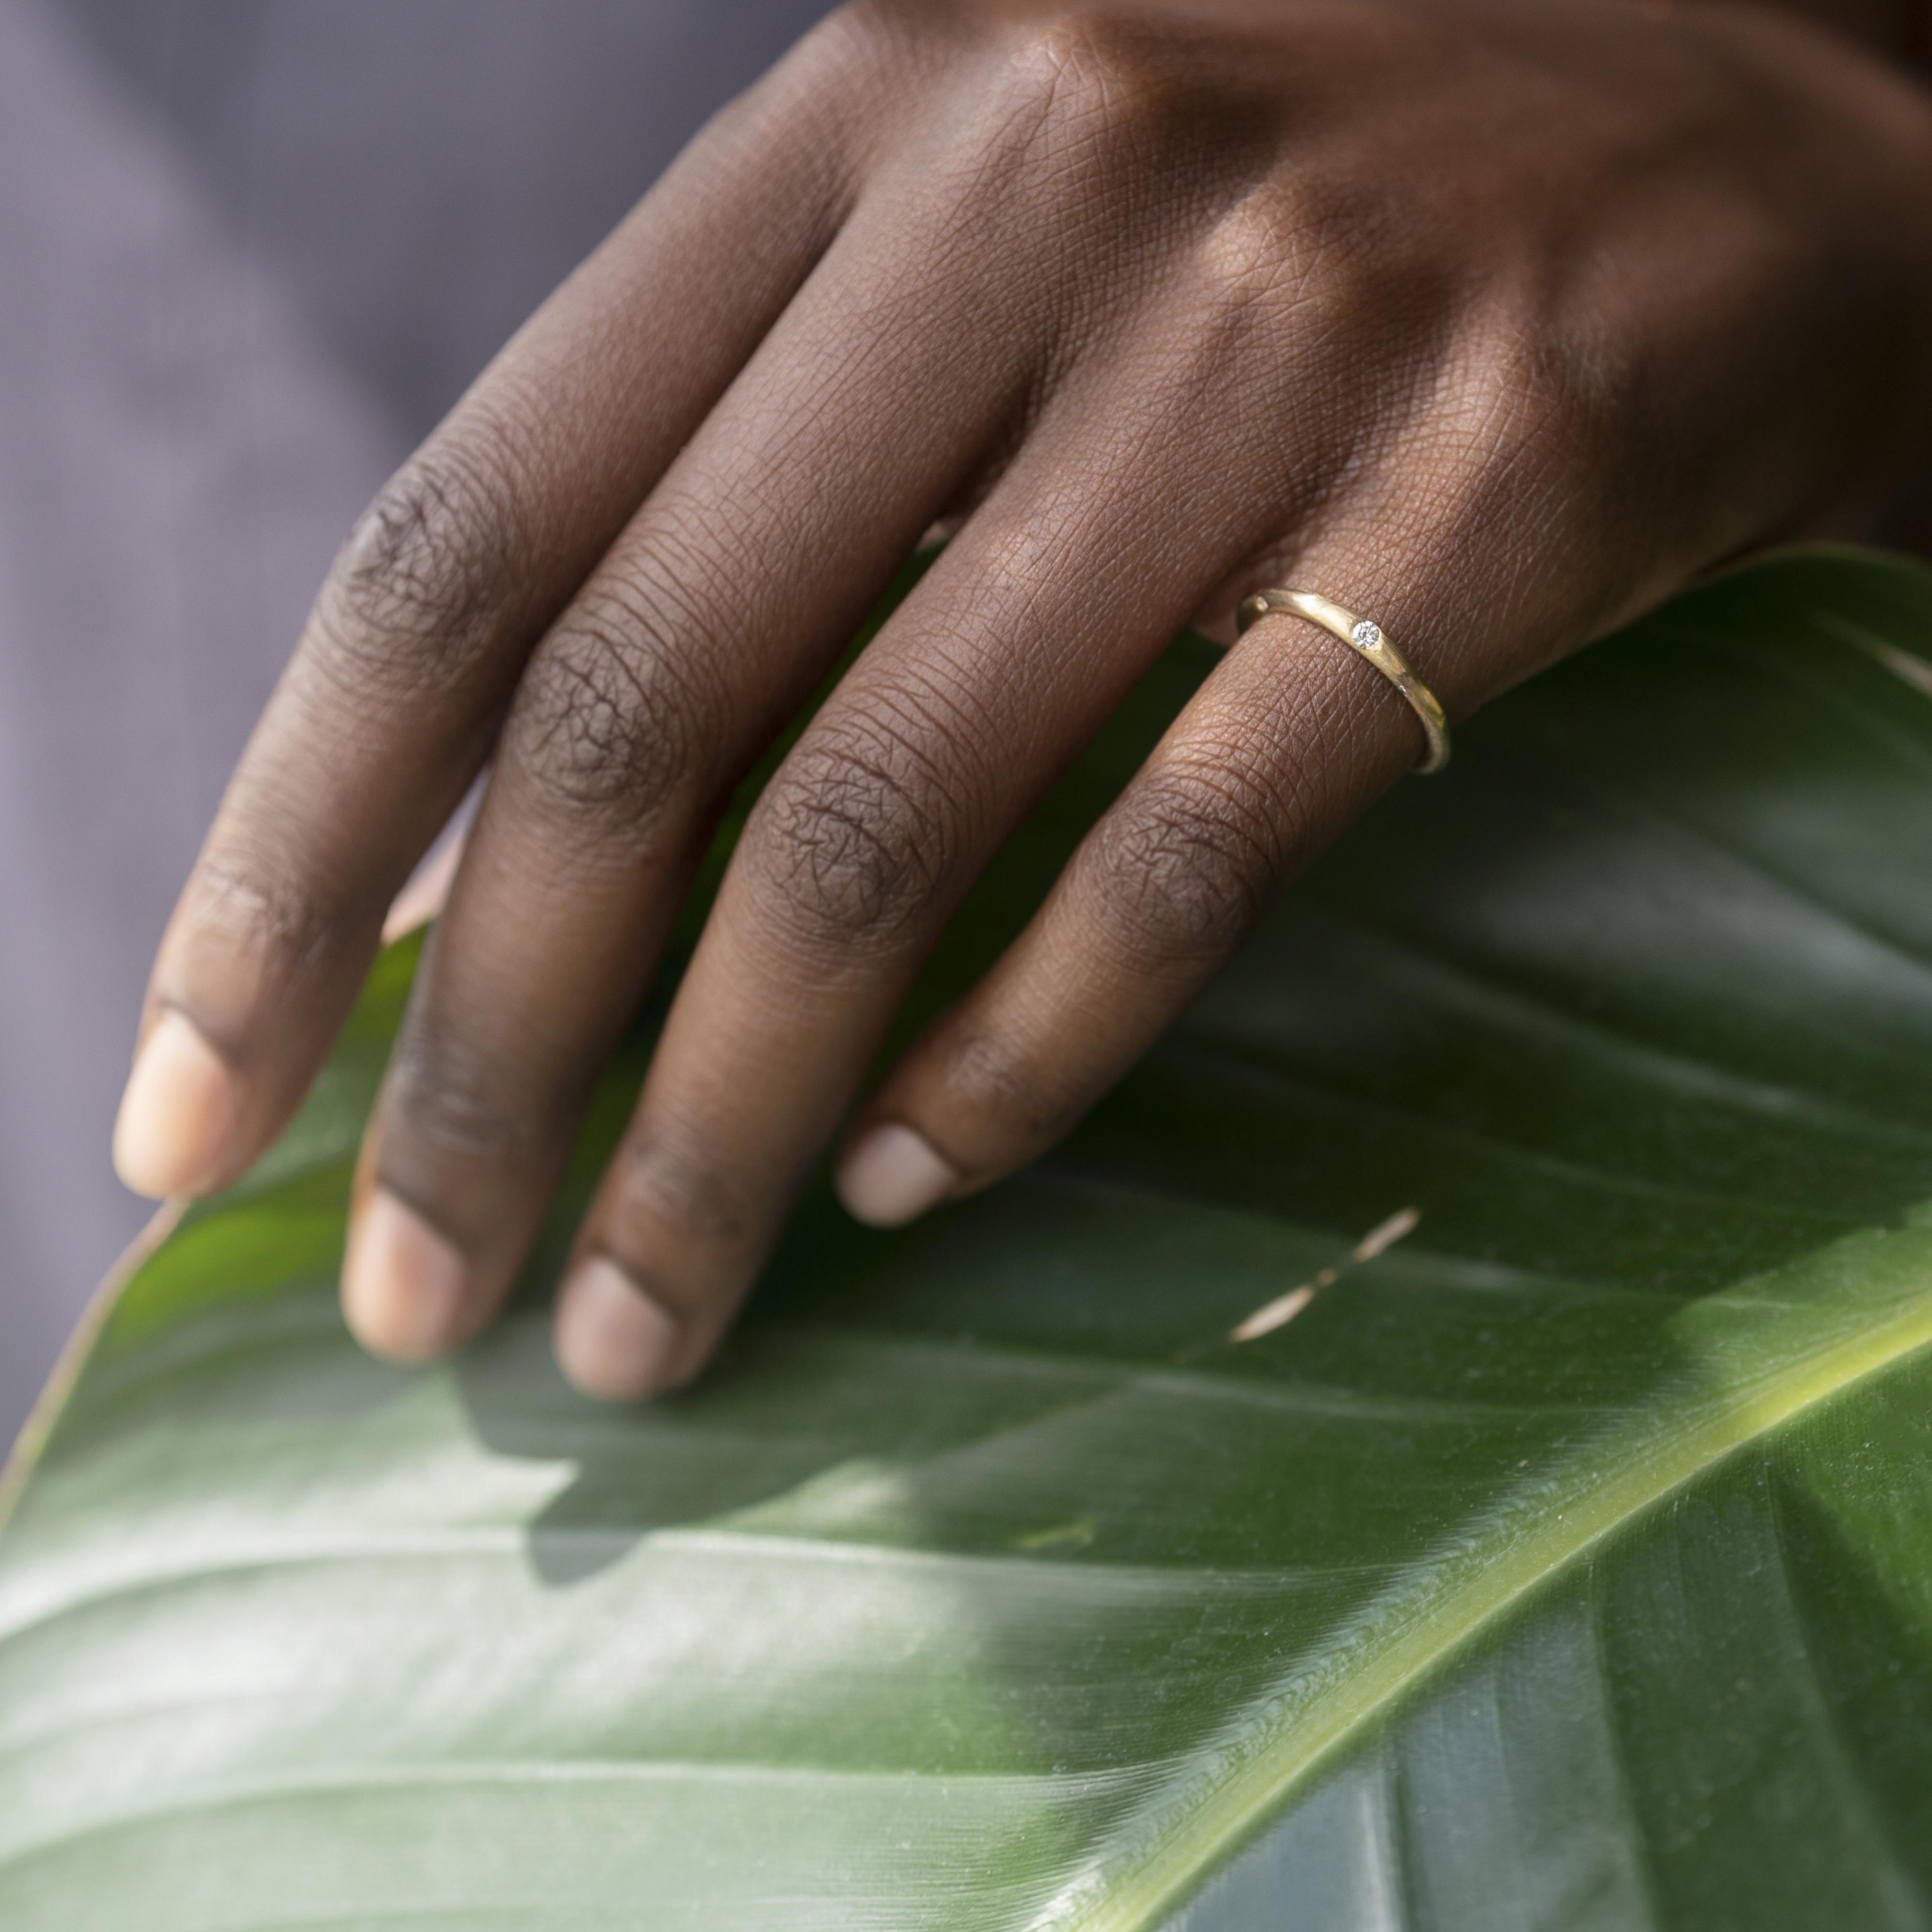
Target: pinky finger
1289, 740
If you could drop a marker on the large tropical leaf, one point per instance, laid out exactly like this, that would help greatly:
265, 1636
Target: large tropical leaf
1568, 1566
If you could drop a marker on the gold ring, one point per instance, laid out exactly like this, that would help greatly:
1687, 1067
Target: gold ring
1365, 635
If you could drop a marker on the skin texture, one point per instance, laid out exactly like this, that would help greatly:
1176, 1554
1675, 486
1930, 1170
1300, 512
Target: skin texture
1497, 321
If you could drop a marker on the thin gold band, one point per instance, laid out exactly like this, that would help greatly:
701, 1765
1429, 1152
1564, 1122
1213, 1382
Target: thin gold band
1363, 636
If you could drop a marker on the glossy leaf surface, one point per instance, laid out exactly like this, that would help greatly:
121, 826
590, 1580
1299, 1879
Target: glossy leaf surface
1568, 1565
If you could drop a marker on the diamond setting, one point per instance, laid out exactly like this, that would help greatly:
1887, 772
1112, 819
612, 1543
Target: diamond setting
1367, 635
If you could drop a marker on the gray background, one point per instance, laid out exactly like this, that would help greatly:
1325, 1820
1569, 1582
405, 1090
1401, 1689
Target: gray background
249, 251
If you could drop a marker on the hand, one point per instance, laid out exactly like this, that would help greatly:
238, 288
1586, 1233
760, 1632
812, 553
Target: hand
1495, 322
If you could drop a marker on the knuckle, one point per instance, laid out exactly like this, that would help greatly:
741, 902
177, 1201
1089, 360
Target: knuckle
255, 906
663, 1177
1540, 418
608, 719
447, 1094
993, 1079
1068, 60
1247, 256
862, 40
1079, 88
1308, 249
422, 588
1306, 266
1181, 864
851, 841
1301, 229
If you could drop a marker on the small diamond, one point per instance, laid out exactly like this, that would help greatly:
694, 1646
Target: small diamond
1367, 633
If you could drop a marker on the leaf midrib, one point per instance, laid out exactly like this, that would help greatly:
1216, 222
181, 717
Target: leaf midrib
1190, 1840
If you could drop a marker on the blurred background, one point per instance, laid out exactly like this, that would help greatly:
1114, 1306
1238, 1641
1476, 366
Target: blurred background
249, 251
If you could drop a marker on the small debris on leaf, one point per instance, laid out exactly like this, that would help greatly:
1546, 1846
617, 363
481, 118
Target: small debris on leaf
1277, 1313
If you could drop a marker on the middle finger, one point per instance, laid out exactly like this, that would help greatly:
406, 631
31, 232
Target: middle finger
1003, 662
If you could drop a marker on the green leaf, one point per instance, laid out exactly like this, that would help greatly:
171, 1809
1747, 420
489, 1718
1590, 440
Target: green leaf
1566, 1565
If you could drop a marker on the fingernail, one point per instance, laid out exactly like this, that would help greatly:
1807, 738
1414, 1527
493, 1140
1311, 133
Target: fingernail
613, 1339
892, 1176
406, 1292
177, 1114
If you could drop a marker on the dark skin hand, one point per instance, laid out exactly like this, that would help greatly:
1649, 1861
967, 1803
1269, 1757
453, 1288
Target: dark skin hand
1496, 321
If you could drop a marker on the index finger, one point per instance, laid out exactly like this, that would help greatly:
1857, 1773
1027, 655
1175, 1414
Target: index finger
391, 703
